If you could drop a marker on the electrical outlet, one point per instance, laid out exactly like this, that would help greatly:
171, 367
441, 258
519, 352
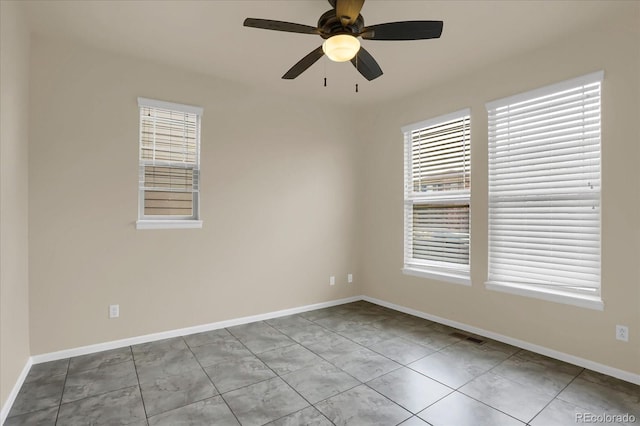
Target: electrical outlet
349, 278
114, 311
332, 280
622, 333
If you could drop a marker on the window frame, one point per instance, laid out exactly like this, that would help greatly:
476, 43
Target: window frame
555, 293
441, 271
169, 221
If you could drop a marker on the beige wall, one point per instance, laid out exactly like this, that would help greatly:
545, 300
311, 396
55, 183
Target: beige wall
289, 197
613, 47
14, 281
277, 202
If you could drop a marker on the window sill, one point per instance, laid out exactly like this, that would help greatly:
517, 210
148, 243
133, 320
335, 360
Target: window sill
440, 276
583, 301
169, 224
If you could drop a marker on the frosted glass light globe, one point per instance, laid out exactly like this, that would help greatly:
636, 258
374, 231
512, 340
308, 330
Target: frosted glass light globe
341, 48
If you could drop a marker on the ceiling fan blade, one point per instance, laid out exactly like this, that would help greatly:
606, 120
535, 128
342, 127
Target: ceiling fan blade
347, 11
289, 27
304, 63
366, 65
405, 30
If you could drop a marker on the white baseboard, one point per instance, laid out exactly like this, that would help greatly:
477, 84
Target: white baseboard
67, 353
4, 413
115, 344
572, 359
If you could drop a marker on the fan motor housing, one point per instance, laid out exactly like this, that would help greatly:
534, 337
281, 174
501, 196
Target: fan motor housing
330, 25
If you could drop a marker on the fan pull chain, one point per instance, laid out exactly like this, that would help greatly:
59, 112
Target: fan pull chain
324, 65
356, 68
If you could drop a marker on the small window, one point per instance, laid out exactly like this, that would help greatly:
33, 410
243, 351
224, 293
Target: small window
437, 172
169, 165
544, 193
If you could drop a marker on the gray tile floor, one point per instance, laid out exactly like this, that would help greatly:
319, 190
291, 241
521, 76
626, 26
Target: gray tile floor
353, 364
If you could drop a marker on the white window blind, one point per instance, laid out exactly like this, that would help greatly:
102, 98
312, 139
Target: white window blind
544, 191
436, 197
169, 158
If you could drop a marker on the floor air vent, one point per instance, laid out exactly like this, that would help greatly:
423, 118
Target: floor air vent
463, 336
475, 340
459, 335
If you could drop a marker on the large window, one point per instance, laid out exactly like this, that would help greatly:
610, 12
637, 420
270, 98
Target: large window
436, 198
544, 192
169, 165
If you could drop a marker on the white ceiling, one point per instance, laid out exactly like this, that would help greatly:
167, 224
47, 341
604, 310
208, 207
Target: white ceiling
208, 37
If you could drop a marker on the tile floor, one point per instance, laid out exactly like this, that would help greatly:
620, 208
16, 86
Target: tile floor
353, 364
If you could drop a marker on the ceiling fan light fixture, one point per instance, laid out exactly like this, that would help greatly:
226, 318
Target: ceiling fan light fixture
341, 47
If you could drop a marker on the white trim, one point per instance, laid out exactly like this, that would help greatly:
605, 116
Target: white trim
528, 132
546, 90
572, 359
550, 294
115, 344
437, 120
440, 276
457, 197
168, 224
143, 163
53, 356
4, 413
153, 103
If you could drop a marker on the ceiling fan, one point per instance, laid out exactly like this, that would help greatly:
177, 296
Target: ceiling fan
340, 27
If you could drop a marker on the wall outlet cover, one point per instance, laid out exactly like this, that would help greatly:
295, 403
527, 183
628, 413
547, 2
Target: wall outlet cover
114, 311
622, 333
